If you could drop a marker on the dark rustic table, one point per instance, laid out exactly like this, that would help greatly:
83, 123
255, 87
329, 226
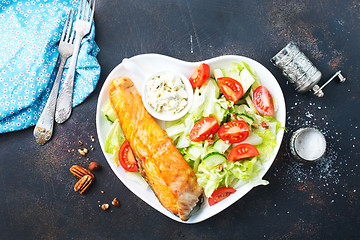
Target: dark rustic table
303, 201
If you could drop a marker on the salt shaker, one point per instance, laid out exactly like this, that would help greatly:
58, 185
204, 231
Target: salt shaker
307, 144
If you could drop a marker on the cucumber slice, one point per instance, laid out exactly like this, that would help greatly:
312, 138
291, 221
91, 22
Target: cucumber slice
195, 151
249, 120
210, 87
217, 89
175, 130
221, 146
246, 79
213, 159
257, 82
245, 94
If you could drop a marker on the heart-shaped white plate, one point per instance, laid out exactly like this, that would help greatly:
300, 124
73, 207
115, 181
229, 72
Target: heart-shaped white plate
151, 63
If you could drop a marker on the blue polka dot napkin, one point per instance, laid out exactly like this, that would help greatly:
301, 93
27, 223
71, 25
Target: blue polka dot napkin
29, 35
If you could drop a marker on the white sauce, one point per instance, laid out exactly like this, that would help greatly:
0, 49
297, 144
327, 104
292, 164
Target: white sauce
166, 93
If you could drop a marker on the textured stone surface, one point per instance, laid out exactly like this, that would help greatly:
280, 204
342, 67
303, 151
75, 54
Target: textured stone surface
318, 201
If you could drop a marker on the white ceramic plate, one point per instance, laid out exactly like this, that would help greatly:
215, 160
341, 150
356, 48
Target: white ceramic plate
151, 63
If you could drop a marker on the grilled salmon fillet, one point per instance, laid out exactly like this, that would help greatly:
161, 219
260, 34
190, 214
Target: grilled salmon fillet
163, 167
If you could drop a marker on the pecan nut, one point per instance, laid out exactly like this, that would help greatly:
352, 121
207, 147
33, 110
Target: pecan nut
79, 171
83, 184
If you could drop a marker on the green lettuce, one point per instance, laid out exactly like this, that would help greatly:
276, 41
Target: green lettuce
114, 139
267, 146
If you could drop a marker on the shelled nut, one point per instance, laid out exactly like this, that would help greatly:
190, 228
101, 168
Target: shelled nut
79, 171
105, 206
83, 184
93, 166
115, 202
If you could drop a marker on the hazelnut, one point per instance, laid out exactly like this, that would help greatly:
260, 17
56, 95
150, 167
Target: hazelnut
93, 166
115, 202
104, 206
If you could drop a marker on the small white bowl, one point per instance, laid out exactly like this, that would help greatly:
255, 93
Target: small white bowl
168, 116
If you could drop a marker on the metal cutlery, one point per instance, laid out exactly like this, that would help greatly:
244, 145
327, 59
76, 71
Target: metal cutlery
82, 27
44, 127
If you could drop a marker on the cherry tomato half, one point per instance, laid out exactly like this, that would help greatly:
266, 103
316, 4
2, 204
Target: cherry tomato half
234, 131
204, 129
126, 158
220, 194
263, 101
231, 88
200, 75
242, 151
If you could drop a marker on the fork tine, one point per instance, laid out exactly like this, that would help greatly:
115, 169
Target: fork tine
73, 29
83, 10
93, 10
70, 27
65, 25
88, 11
79, 11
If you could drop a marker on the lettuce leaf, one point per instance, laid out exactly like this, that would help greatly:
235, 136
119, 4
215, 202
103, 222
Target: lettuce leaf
267, 146
232, 174
114, 139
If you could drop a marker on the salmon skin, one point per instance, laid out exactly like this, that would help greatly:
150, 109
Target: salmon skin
162, 166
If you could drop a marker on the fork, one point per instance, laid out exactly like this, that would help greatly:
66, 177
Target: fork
82, 27
44, 127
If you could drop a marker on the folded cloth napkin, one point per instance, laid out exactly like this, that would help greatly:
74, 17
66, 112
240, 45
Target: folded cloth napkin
29, 35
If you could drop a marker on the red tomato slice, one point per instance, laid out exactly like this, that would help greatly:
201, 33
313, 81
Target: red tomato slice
242, 151
220, 194
200, 75
231, 88
234, 131
204, 129
126, 158
263, 101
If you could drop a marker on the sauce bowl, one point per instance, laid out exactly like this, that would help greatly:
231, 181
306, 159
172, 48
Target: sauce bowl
163, 116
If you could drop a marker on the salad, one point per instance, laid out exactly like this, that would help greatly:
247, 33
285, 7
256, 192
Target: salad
226, 136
